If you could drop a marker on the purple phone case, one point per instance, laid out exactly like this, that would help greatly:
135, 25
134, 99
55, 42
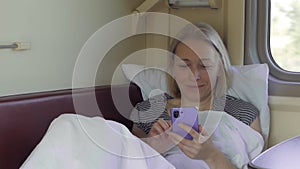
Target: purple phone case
188, 116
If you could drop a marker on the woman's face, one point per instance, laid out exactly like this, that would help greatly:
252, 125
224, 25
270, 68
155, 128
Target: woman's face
195, 69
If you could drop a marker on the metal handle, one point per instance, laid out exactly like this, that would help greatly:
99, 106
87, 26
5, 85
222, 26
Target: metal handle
12, 46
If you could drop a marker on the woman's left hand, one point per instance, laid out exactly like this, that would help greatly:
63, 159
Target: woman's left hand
200, 147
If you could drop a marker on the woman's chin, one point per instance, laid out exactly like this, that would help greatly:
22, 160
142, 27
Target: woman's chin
193, 98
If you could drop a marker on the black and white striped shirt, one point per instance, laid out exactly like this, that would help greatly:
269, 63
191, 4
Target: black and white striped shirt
146, 113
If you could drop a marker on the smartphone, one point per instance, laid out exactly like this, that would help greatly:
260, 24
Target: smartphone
185, 115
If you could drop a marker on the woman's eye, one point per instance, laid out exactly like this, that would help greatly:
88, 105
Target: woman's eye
183, 65
203, 66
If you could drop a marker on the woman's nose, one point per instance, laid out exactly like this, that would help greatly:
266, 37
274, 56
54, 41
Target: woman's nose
196, 74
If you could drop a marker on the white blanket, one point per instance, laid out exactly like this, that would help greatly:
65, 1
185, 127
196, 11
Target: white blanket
78, 142
74, 141
239, 142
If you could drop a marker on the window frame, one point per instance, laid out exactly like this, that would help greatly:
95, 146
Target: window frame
257, 49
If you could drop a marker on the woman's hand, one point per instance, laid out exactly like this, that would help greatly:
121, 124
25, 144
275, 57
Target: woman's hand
159, 127
157, 137
200, 147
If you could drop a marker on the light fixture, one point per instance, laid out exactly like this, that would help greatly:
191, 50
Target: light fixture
194, 3
145, 6
141, 10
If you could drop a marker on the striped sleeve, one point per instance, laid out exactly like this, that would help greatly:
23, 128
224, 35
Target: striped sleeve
241, 110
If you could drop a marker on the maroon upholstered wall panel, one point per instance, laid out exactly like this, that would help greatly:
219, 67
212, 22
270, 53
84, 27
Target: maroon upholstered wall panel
24, 119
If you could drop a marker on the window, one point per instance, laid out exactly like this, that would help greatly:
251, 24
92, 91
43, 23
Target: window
285, 34
271, 37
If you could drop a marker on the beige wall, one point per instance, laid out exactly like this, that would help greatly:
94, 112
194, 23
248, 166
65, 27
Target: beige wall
57, 30
285, 117
228, 20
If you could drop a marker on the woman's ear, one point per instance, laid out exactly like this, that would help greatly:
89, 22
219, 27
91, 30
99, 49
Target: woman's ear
171, 68
221, 83
221, 70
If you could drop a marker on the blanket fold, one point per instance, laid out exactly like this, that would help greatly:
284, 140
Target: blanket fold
78, 142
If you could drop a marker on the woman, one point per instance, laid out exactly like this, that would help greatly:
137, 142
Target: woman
200, 74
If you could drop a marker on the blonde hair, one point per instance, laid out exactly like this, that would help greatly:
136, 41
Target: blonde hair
205, 32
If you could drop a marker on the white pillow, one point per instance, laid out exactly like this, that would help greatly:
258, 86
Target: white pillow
151, 80
249, 83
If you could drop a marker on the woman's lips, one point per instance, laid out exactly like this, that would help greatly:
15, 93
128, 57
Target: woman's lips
195, 86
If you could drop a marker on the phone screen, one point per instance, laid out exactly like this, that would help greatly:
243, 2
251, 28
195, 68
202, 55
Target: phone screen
185, 115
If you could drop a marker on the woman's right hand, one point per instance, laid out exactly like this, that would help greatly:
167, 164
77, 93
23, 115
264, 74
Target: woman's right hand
157, 137
159, 127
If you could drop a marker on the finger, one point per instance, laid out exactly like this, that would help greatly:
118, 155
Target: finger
178, 139
163, 123
174, 137
189, 129
160, 126
203, 134
202, 130
157, 128
169, 123
187, 149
